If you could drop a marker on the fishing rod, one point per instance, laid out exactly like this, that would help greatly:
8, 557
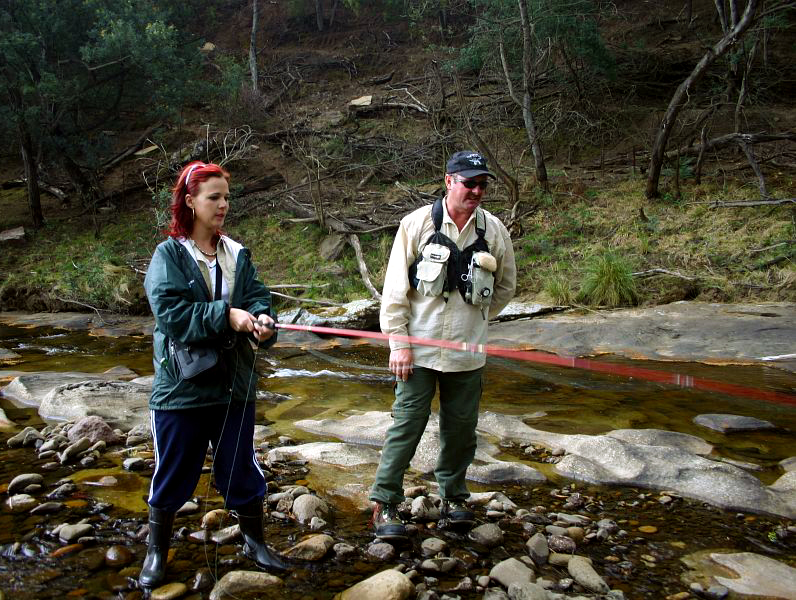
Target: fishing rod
676, 379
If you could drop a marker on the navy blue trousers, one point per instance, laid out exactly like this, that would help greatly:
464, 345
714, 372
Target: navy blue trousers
181, 438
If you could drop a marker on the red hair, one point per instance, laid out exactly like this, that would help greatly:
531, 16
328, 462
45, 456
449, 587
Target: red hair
188, 183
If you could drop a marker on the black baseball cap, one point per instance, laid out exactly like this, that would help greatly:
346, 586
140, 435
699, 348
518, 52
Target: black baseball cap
467, 164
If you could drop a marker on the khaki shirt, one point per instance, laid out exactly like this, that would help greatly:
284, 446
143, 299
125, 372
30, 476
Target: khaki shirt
226, 256
406, 312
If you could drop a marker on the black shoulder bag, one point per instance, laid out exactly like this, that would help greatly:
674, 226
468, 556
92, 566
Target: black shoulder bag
192, 360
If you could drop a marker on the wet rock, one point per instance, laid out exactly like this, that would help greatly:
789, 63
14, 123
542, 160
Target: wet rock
333, 453
5, 422
495, 594
568, 520
226, 535
555, 530
561, 544
312, 548
538, 549
757, 575
47, 508
358, 314
417, 490
21, 503
189, 508
576, 534
307, 506
202, 580
731, 423
424, 509
27, 437
20, 482
215, 519
298, 490
559, 560
70, 533
236, 583
62, 491
432, 546
659, 437
386, 585
134, 463
118, 556
72, 450
344, 551
381, 551
488, 534
511, 571
170, 591
95, 429
316, 524
788, 464
582, 572
716, 592
120, 403
527, 591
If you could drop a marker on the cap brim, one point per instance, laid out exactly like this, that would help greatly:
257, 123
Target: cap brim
474, 172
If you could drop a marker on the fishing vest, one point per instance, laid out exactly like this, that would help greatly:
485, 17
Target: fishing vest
440, 267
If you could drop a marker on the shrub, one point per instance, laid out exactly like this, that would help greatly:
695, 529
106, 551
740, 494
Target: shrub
558, 288
608, 282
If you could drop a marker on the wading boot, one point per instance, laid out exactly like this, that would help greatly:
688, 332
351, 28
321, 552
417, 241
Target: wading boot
154, 570
387, 525
458, 514
250, 520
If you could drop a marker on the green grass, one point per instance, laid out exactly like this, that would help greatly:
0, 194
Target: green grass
608, 282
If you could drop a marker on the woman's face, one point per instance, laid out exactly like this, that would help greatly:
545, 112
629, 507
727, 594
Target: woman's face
210, 204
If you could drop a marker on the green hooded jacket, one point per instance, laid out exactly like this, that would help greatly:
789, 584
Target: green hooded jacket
184, 311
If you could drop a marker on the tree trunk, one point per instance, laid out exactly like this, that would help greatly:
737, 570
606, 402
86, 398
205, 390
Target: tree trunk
31, 177
253, 47
319, 14
527, 80
681, 95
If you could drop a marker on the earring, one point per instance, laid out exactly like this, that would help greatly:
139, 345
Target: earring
193, 214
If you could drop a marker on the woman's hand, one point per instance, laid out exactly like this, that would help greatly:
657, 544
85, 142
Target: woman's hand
261, 328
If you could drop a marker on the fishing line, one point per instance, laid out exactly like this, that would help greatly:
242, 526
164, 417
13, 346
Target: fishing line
647, 374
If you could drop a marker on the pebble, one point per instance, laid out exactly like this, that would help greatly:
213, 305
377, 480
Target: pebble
118, 556
312, 548
576, 533
511, 571
226, 535
527, 591
20, 482
483, 581
202, 580
215, 519
679, 596
307, 506
70, 533
665, 500
249, 582
386, 585
424, 509
344, 551
189, 508
488, 534
432, 546
62, 490
47, 508
648, 529
316, 524
716, 592
73, 449
381, 551
555, 530
21, 503
538, 549
581, 571
415, 491
170, 591
26, 437
561, 544
135, 463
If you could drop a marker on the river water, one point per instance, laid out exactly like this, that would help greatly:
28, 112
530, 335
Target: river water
308, 378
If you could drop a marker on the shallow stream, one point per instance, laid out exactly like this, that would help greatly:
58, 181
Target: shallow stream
310, 378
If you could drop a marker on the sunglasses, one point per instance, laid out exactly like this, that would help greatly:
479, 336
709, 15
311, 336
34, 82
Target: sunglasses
471, 184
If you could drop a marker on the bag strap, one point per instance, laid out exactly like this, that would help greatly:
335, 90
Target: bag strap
217, 290
480, 218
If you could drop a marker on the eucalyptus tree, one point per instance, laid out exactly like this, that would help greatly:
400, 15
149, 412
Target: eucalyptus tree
71, 71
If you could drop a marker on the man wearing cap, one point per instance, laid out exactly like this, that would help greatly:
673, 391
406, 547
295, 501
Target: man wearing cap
408, 308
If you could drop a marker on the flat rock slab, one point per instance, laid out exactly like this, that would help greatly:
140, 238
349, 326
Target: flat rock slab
8, 355
113, 325
119, 403
745, 574
681, 331
370, 429
732, 423
652, 459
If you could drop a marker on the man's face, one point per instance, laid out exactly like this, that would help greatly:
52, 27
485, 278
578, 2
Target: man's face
462, 198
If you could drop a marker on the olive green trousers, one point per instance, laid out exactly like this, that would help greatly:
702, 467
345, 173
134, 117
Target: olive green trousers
460, 394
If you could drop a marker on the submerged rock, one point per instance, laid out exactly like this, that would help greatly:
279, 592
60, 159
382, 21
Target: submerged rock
306, 507
95, 429
732, 423
313, 548
582, 572
20, 482
511, 571
120, 403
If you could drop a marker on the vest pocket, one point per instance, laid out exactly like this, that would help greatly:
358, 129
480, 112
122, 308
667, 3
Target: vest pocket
432, 270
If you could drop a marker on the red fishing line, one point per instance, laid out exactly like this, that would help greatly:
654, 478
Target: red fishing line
677, 379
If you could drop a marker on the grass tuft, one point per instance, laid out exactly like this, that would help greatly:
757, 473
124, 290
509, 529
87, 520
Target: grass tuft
608, 282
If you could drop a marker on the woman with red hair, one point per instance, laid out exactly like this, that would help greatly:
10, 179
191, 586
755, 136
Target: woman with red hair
210, 311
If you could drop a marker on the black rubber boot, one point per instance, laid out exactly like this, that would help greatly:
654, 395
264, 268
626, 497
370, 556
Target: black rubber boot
250, 519
154, 570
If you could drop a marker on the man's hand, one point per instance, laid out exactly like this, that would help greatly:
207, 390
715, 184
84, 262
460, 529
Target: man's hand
261, 328
401, 363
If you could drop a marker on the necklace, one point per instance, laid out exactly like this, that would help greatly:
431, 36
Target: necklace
207, 254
